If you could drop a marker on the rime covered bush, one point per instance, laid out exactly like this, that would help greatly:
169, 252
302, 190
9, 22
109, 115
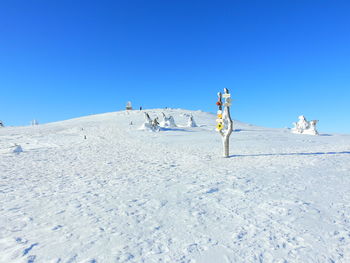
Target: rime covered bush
167, 122
191, 122
305, 127
149, 124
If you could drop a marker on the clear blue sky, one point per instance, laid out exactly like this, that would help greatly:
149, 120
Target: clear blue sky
280, 59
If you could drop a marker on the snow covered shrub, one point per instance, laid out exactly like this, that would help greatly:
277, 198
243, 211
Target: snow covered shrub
1, 124
305, 127
149, 124
191, 122
167, 122
312, 128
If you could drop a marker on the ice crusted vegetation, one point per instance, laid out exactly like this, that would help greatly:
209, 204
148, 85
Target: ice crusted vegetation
100, 189
191, 122
305, 127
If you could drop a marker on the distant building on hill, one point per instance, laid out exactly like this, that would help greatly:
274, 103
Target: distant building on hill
34, 122
128, 106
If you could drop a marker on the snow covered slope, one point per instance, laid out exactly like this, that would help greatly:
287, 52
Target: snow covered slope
127, 195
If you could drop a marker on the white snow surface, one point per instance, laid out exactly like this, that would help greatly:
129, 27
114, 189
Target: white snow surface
127, 195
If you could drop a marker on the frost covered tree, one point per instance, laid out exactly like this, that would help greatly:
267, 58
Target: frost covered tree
167, 122
149, 124
1, 124
155, 123
147, 117
312, 129
191, 122
224, 121
302, 124
172, 121
305, 127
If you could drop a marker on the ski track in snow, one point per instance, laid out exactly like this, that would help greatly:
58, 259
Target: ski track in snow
125, 195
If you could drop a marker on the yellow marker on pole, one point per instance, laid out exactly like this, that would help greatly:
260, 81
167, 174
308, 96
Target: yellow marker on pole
219, 126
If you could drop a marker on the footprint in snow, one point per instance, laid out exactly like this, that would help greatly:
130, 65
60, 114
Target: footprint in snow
57, 227
212, 190
20, 240
28, 249
31, 259
193, 248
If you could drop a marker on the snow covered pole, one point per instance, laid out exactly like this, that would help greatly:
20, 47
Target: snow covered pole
224, 121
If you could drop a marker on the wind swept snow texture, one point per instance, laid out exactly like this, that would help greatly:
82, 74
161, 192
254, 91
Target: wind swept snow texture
126, 195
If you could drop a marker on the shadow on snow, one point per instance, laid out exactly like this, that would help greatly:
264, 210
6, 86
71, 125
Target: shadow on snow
286, 154
174, 129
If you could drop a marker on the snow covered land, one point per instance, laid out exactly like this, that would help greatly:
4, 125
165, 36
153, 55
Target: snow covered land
97, 189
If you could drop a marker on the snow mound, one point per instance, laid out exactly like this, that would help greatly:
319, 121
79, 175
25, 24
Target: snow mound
14, 148
17, 149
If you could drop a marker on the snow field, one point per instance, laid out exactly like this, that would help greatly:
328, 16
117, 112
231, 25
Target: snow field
125, 195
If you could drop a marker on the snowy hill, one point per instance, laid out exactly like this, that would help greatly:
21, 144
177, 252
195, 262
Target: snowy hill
97, 189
